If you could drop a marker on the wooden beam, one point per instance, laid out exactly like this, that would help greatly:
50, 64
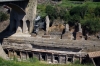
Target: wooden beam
93, 61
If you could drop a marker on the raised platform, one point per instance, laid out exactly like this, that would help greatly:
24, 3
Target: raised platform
21, 35
51, 50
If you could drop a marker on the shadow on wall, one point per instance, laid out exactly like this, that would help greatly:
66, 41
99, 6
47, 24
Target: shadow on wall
5, 33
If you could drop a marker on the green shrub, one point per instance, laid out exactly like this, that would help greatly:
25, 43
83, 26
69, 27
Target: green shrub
33, 60
3, 16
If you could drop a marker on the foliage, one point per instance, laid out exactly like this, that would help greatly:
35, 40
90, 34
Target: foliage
80, 11
33, 60
97, 11
63, 14
3, 16
41, 10
14, 63
51, 11
72, 12
73, 20
92, 25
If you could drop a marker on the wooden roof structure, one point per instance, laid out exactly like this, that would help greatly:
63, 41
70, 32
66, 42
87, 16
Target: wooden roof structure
94, 54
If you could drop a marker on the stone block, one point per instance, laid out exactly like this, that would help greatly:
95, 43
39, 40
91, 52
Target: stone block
67, 35
45, 36
78, 36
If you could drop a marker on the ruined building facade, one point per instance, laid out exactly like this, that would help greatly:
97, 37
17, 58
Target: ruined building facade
22, 16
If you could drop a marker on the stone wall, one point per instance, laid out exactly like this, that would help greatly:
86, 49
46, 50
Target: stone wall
23, 50
2, 53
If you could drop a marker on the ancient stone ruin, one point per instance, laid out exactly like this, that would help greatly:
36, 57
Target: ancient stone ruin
56, 46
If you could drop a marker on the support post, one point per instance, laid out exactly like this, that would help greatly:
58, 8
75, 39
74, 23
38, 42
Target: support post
27, 57
40, 56
52, 58
46, 57
59, 59
66, 59
33, 54
93, 61
73, 58
20, 55
8, 53
80, 59
13, 54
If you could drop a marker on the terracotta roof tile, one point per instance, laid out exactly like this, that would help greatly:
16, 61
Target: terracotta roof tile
94, 54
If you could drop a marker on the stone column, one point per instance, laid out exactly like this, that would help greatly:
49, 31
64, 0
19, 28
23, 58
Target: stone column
33, 54
20, 55
73, 58
31, 13
80, 29
80, 59
47, 24
8, 53
25, 27
59, 60
66, 59
52, 58
67, 28
27, 57
46, 57
40, 56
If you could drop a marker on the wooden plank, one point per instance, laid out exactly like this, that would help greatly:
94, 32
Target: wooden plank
93, 61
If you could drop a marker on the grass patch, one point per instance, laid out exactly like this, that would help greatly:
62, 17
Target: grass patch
35, 62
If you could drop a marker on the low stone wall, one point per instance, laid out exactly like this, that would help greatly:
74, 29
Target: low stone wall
50, 50
23, 50
2, 53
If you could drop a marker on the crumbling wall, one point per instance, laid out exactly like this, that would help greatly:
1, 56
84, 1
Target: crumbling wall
2, 53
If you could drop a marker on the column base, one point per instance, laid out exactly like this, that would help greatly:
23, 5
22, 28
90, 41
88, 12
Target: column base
21, 35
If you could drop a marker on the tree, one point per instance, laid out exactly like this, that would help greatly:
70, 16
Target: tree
63, 14
75, 19
97, 11
80, 11
91, 25
51, 12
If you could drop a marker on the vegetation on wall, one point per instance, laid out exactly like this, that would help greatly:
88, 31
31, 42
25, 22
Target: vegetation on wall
3, 16
87, 13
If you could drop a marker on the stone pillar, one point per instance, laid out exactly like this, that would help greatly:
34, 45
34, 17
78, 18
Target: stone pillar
66, 59
46, 57
80, 59
14, 54
80, 29
33, 54
47, 24
59, 59
20, 55
8, 53
27, 57
25, 27
52, 58
73, 58
40, 56
31, 13
67, 28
